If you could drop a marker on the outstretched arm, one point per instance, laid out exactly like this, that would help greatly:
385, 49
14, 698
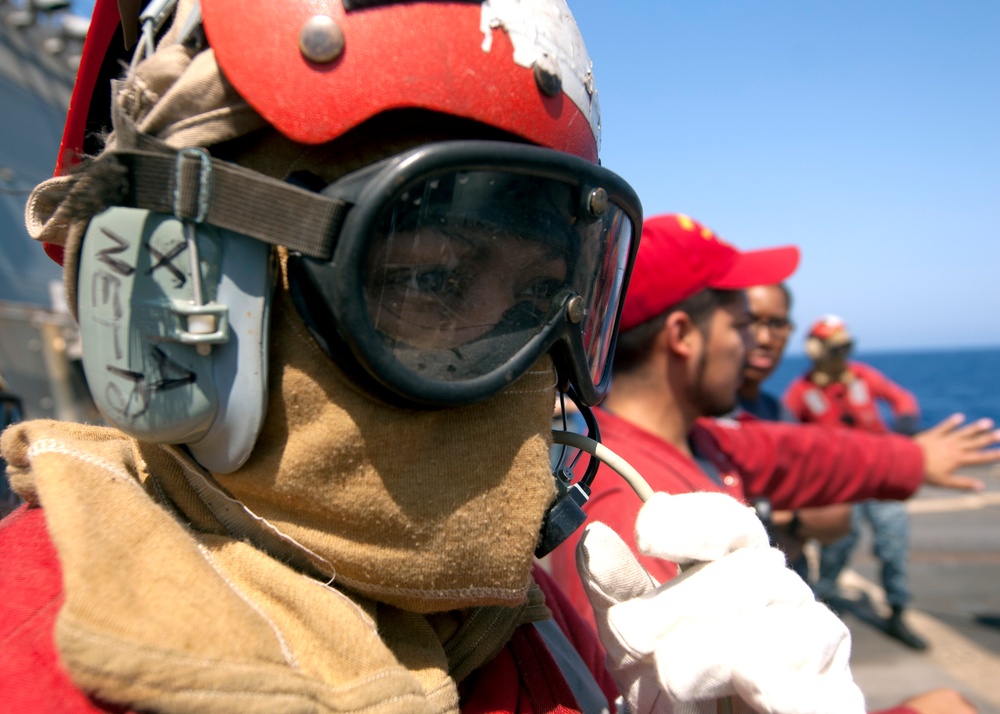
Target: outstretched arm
798, 465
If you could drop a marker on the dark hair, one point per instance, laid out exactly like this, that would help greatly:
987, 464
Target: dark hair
635, 344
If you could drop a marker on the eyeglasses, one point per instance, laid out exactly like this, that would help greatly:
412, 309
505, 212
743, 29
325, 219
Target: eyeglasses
777, 325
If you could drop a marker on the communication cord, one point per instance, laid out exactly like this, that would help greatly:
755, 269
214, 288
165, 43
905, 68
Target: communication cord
727, 705
599, 451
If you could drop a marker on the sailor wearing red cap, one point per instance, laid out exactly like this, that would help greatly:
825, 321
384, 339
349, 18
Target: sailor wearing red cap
678, 363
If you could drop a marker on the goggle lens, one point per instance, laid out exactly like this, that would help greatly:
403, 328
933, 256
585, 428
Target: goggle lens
468, 267
607, 282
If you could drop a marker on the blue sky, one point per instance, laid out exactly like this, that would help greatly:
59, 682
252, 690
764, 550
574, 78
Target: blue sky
867, 133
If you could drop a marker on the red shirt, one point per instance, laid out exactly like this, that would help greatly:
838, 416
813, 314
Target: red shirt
852, 402
793, 465
523, 678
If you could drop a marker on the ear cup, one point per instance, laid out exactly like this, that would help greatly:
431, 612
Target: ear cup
814, 348
164, 364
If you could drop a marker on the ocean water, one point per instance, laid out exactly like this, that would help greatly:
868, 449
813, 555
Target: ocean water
944, 381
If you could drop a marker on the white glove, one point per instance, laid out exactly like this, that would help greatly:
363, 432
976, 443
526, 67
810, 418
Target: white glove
736, 622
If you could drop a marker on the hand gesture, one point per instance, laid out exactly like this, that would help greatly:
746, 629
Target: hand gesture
950, 446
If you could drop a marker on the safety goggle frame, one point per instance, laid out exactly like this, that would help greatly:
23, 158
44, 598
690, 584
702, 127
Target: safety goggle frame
371, 190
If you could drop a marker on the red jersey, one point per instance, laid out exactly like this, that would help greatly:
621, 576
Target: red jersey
852, 401
793, 465
524, 677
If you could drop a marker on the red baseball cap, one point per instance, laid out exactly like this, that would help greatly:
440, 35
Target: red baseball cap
678, 258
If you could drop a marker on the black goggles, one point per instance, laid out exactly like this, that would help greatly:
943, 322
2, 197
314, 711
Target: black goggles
459, 264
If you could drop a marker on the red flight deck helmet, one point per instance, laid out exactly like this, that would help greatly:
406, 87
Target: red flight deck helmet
564, 226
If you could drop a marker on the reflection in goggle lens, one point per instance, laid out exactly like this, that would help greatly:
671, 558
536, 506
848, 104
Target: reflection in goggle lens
613, 244
468, 267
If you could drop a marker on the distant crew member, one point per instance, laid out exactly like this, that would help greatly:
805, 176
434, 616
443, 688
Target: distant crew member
836, 391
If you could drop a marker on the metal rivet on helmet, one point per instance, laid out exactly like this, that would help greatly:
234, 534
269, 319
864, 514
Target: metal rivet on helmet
321, 40
547, 75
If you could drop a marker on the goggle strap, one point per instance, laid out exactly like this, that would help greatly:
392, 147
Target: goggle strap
195, 187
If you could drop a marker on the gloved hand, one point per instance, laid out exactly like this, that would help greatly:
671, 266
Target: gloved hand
735, 621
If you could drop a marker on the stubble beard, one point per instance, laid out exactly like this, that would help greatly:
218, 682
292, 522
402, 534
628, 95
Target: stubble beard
706, 403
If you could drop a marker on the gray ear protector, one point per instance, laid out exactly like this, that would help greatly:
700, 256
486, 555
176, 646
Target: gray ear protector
174, 320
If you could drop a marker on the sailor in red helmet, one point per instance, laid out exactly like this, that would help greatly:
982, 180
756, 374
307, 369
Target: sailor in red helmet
841, 392
331, 261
